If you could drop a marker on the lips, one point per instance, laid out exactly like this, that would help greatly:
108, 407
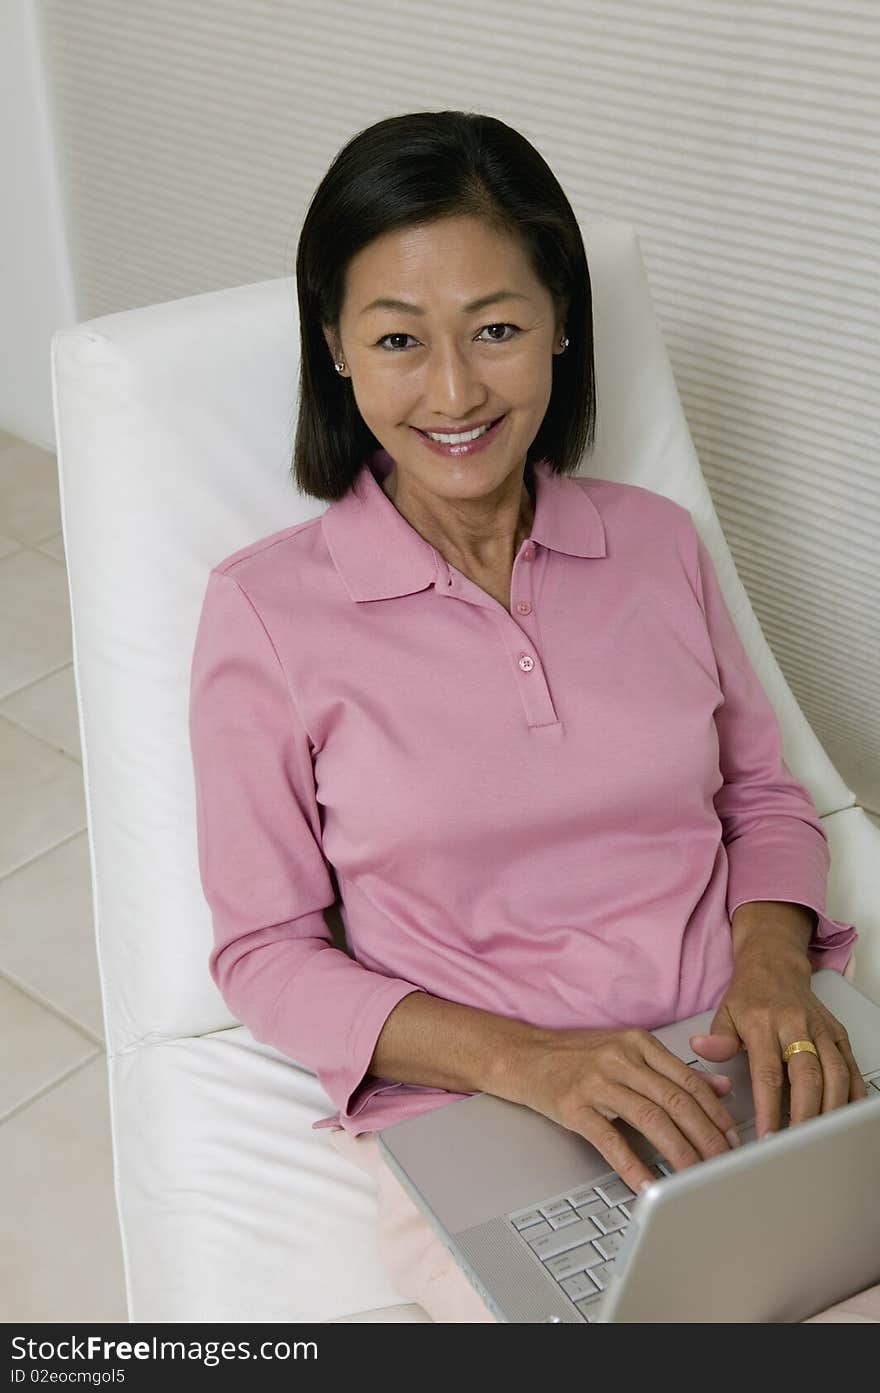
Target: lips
478, 426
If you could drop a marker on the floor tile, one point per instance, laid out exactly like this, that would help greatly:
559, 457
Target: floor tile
29, 499
54, 547
47, 936
38, 1048
7, 439
47, 708
8, 545
60, 1250
35, 634
41, 797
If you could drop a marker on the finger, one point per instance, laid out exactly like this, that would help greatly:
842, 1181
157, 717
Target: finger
720, 1082
807, 1081
835, 1072
660, 1060
670, 1118
857, 1088
768, 1078
838, 1035
601, 1133
717, 1047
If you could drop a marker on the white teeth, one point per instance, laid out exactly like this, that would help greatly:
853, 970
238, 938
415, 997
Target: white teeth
459, 439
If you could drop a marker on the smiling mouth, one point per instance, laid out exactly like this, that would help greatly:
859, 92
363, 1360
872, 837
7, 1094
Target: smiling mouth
448, 437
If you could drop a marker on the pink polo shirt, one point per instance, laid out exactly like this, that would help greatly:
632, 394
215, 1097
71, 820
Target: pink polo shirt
550, 814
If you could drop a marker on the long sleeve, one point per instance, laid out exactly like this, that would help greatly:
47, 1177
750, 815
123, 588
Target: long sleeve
775, 842
262, 867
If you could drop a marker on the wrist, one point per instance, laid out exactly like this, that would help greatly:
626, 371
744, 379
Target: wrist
773, 930
515, 1068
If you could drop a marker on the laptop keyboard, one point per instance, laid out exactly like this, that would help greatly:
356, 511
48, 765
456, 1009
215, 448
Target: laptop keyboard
578, 1234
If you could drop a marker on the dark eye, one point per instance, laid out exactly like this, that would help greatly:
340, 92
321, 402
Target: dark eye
392, 336
501, 326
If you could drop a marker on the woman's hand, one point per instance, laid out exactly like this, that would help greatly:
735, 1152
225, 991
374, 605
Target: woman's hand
767, 1006
585, 1079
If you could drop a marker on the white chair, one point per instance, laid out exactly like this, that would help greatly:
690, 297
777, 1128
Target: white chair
174, 427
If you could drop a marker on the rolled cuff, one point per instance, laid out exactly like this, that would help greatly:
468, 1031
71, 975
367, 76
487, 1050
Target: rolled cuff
832, 943
351, 1081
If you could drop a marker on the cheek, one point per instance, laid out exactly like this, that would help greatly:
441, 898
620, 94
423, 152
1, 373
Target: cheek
381, 398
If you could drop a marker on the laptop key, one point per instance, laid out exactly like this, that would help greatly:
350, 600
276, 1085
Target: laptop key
585, 1195
579, 1286
578, 1260
561, 1240
586, 1210
613, 1191
602, 1275
568, 1216
554, 1207
589, 1307
523, 1221
542, 1230
609, 1220
610, 1244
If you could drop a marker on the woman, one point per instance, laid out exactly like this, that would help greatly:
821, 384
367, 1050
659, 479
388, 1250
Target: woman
507, 710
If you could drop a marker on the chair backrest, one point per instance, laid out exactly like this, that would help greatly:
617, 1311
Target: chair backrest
174, 431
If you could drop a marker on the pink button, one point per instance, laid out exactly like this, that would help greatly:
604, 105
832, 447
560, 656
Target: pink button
529, 553
523, 607
526, 663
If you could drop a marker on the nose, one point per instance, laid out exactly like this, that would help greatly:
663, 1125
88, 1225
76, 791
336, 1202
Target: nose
453, 388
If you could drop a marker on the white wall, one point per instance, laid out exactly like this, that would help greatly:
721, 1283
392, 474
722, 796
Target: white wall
740, 139
36, 285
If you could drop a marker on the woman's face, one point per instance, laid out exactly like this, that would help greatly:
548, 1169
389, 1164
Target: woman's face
441, 365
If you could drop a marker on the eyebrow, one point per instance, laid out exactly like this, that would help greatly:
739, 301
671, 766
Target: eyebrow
404, 307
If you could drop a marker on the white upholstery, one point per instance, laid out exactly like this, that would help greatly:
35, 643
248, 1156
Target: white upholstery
174, 427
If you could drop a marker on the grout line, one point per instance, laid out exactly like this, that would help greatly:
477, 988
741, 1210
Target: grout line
45, 852
48, 1087
35, 734
50, 1006
32, 682
36, 544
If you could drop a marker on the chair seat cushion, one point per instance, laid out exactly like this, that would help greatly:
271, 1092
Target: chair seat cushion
232, 1208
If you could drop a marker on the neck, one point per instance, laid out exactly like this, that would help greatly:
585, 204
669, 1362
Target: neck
483, 533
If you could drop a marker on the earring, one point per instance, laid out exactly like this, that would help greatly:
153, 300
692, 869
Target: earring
564, 344
339, 366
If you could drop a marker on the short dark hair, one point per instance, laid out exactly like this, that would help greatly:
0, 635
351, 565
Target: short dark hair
413, 170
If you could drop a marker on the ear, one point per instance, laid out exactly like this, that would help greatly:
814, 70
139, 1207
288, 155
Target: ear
560, 325
330, 339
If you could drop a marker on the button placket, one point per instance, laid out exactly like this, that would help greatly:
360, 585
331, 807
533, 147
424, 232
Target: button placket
529, 673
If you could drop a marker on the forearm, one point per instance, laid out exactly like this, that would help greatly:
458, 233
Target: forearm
772, 928
442, 1044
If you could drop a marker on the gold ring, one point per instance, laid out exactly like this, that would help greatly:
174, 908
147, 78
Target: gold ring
796, 1047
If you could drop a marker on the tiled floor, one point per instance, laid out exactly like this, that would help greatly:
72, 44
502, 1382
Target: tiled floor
60, 1253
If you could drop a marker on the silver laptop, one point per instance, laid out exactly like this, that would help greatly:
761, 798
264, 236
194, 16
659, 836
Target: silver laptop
776, 1230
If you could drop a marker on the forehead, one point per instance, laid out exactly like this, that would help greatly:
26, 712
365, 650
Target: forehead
455, 257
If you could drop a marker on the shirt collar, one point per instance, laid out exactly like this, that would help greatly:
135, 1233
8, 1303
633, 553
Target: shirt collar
380, 555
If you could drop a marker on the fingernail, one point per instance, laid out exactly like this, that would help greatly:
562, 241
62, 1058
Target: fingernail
733, 1137
764, 1135
644, 1186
